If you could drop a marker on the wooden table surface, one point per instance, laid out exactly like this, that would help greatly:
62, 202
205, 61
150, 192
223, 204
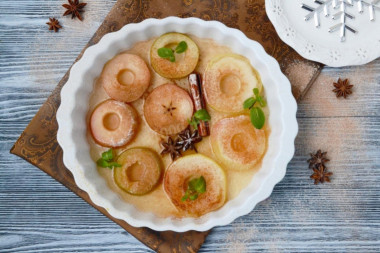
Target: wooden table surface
38, 214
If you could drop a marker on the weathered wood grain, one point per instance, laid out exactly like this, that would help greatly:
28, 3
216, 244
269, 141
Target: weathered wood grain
321, 102
339, 217
38, 214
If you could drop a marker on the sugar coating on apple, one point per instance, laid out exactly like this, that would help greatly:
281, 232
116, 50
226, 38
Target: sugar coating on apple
228, 81
113, 123
167, 109
184, 169
125, 78
140, 171
237, 144
184, 63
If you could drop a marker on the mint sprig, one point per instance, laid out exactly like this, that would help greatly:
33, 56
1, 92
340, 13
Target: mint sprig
181, 47
199, 115
168, 53
195, 187
256, 113
106, 161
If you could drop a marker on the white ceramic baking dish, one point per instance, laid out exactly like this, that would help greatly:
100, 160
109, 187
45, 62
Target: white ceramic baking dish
71, 117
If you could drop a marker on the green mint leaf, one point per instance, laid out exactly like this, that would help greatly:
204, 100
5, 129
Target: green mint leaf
193, 197
166, 53
248, 103
102, 163
200, 186
181, 47
113, 164
193, 122
195, 187
192, 184
256, 91
257, 117
108, 155
185, 197
202, 114
262, 101
106, 160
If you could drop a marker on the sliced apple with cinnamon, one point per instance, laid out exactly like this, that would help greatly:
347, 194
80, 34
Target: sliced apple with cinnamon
113, 123
125, 78
180, 177
174, 65
228, 81
167, 109
140, 171
237, 144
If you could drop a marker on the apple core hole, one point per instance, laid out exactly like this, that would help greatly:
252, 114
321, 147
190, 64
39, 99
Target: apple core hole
111, 121
230, 84
126, 77
239, 142
136, 172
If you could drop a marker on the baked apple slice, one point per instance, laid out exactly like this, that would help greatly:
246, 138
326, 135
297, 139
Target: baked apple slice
140, 171
179, 177
113, 123
167, 109
237, 144
125, 78
228, 81
180, 64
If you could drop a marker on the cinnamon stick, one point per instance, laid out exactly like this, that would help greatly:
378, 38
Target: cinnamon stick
199, 103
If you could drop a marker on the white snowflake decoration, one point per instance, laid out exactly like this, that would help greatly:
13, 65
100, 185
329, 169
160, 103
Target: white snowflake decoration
340, 7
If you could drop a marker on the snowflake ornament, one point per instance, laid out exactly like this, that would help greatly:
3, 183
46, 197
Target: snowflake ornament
340, 13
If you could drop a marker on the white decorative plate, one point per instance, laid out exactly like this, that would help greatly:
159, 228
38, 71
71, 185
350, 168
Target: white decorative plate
336, 32
71, 117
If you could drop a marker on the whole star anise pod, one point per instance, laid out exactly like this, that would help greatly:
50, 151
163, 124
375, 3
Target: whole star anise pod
54, 24
74, 8
317, 159
342, 88
171, 147
188, 139
321, 174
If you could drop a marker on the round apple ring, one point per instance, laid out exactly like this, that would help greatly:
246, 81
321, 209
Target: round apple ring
125, 78
113, 123
184, 63
228, 81
237, 144
167, 109
183, 170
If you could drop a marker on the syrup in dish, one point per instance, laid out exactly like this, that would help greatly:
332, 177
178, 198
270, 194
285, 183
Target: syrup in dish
180, 146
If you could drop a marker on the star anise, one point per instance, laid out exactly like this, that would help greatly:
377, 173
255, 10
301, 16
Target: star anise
74, 8
171, 147
342, 88
321, 174
188, 139
317, 159
54, 24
